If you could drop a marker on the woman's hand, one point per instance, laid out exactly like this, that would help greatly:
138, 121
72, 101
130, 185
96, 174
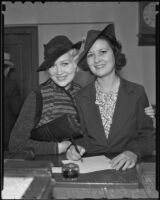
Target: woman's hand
62, 146
150, 111
125, 160
72, 154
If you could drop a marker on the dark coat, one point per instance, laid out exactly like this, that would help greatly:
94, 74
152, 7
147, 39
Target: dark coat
12, 106
131, 128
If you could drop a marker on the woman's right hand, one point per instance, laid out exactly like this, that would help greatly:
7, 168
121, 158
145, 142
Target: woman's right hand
72, 154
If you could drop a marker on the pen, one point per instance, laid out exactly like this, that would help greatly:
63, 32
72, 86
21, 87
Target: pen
76, 148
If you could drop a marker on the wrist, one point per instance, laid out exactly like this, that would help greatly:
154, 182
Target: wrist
63, 146
59, 147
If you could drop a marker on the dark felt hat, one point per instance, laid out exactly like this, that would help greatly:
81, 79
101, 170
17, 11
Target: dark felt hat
92, 36
55, 48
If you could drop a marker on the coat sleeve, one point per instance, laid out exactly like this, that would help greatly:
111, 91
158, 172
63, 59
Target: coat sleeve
143, 144
85, 140
20, 134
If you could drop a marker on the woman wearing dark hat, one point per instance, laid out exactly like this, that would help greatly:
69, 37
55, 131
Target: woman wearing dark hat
111, 108
42, 126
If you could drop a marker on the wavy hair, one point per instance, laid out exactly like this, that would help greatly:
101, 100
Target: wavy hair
120, 58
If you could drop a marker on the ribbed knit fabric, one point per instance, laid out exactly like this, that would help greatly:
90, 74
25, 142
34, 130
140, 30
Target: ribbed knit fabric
56, 102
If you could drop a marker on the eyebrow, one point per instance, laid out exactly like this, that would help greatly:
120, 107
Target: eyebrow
100, 49
66, 60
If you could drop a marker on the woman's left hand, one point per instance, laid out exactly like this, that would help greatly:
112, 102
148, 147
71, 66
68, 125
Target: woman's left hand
125, 160
150, 111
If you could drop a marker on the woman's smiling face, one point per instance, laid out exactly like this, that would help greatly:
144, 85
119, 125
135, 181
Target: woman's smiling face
63, 71
100, 58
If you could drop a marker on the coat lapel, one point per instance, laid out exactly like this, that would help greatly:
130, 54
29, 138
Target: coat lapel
122, 110
93, 114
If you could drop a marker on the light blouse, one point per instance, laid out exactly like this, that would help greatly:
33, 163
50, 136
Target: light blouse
106, 102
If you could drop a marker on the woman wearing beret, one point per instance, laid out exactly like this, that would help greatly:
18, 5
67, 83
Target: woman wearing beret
51, 102
111, 108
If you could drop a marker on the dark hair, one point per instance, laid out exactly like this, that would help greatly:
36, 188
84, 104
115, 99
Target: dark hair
120, 58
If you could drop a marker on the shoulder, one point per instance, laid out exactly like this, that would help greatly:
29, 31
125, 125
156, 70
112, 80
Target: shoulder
44, 84
130, 86
85, 91
76, 87
42, 87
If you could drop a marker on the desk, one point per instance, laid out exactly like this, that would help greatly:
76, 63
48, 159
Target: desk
147, 191
18, 171
145, 170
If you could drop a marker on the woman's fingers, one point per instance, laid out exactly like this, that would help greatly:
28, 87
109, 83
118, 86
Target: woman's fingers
123, 164
132, 164
119, 164
82, 150
115, 160
150, 111
72, 153
124, 160
71, 156
128, 164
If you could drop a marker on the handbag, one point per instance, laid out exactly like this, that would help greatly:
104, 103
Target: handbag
57, 130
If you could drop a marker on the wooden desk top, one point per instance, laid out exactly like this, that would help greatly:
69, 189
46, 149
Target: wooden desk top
147, 191
146, 172
145, 169
18, 170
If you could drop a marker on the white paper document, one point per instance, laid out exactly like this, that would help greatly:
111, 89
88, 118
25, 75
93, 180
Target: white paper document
89, 164
92, 164
15, 187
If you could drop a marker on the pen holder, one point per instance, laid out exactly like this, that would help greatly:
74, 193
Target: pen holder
70, 171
